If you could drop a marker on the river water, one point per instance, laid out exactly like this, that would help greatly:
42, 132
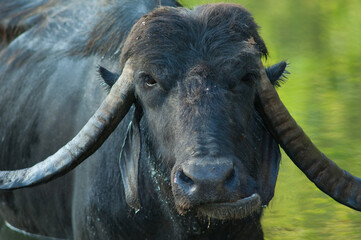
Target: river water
321, 41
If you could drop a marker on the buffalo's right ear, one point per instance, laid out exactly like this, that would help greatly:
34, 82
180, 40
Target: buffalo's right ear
108, 77
276, 73
129, 160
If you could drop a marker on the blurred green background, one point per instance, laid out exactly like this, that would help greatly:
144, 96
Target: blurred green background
321, 39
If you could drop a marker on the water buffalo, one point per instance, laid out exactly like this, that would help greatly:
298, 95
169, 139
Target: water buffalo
185, 142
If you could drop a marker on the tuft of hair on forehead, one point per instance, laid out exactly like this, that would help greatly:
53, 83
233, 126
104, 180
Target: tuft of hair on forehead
171, 36
234, 20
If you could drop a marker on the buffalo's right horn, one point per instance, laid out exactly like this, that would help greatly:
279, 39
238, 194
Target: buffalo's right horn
114, 107
324, 173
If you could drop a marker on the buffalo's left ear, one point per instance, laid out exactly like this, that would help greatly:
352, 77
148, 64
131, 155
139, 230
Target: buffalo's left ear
129, 161
276, 73
108, 77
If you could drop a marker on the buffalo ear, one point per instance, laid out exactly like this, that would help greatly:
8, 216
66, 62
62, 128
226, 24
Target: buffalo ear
269, 165
108, 77
269, 150
129, 161
276, 73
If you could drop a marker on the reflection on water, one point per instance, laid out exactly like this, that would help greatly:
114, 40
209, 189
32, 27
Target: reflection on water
321, 40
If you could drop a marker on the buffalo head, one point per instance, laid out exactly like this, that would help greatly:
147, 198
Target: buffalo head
195, 94
204, 113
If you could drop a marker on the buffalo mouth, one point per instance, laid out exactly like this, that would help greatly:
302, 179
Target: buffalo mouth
231, 210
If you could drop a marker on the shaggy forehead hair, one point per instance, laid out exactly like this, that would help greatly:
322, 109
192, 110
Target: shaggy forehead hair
174, 37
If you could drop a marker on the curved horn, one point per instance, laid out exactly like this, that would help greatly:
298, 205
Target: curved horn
114, 107
323, 172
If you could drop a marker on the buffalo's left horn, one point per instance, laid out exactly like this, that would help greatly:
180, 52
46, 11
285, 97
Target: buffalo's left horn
323, 172
114, 107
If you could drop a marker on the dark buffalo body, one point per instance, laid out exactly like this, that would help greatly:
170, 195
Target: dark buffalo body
192, 159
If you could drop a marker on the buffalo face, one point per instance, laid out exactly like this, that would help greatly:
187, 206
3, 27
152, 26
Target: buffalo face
196, 93
206, 134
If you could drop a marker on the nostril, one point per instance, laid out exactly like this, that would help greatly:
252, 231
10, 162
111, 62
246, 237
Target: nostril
230, 178
184, 178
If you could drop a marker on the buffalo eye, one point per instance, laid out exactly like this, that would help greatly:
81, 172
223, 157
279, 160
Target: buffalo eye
148, 80
248, 78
